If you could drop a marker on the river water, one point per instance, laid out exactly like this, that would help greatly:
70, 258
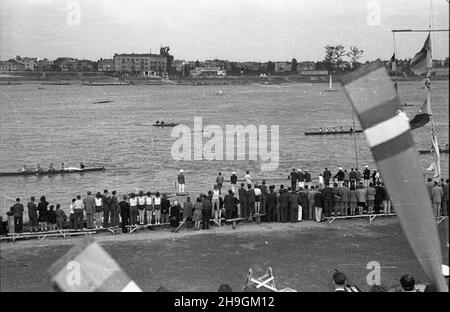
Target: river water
61, 124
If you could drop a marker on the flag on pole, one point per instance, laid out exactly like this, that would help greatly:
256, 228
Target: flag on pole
436, 164
421, 62
423, 116
373, 97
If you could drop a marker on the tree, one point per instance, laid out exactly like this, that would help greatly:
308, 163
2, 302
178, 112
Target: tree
294, 65
355, 54
197, 64
164, 51
334, 56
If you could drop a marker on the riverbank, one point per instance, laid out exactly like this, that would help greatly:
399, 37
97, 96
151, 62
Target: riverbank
303, 256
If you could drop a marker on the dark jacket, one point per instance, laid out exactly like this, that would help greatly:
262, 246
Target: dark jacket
379, 193
206, 205
106, 202
175, 211
51, 215
242, 195
353, 175
251, 196
230, 202
303, 199
114, 204
32, 210
181, 179
233, 179
42, 209
272, 200
318, 199
293, 200
293, 176
124, 208
340, 175
284, 199
165, 205
366, 174
328, 194
307, 176
301, 176
327, 175
18, 210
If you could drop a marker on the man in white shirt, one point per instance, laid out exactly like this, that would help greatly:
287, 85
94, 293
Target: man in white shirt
248, 178
78, 209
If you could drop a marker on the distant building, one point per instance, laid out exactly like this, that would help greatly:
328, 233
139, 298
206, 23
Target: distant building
216, 72
12, 65
105, 65
306, 66
29, 63
283, 67
44, 65
60, 63
143, 64
252, 66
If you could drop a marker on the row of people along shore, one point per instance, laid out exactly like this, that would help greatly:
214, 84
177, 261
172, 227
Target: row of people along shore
342, 194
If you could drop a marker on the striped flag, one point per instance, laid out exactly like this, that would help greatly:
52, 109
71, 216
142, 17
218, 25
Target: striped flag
87, 267
421, 62
388, 133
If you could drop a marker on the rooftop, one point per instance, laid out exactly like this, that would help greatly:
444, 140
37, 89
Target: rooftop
139, 55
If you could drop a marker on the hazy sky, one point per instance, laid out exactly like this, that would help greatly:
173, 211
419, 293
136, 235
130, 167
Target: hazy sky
239, 30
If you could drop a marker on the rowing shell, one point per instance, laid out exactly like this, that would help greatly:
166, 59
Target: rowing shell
331, 132
48, 172
165, 125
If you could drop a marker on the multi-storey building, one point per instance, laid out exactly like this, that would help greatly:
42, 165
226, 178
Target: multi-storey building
144, 64
105, 65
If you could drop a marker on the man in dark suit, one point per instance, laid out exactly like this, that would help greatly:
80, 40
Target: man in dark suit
328, 200
242, 202
379, 197
18, 216
114, 209
284, 204
106, 203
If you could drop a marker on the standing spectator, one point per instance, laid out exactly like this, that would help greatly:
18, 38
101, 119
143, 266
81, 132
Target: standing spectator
445, 198
18, 216
197, 216
379, 197
11, 220
361, 193
366, 175
181, 181
165, 206
263, 189
216, 204
352, 177
89, 207
328, 200
106, 202
78, 209
337, 199
307, 179
271, 204
326, 176
294, 207
149, 210
134, 209
301, 178
257, 191
157, 201
318, 206
345, 199
175, 214
141, 207
284, 205
293, 176
124, 213
303, 202
230, 202
206, 212
61, 217
371, 192
114, 209
311, 205
243, 210
42, 209
98, 210
248, 179
430, 185
375, 177
321, 182
346, 178
340, 176
251, 201
358, 177
188, 209
72, 214
33, 215
233, 180
436, 198
219, 181
52, 218
353, 200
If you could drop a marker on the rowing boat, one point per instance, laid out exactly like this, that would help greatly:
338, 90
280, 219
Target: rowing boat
442, 151
165, 125
50, 172
332, 132
103, 101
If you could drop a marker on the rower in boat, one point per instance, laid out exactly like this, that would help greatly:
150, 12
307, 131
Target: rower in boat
62, 166
320, 129
334, 130
342, 130
351, 130
82, 166
50, 168
24, 168
326, 130
38, 168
